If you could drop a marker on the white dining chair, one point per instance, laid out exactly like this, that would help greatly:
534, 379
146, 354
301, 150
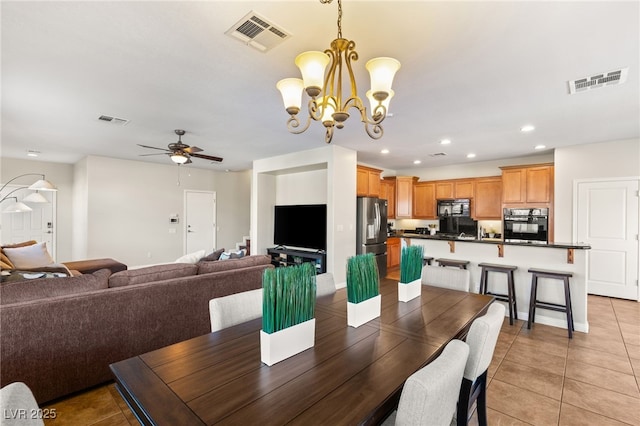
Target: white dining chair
325, 284
19, 406
429, 395
482, 339
452, 278
235, 309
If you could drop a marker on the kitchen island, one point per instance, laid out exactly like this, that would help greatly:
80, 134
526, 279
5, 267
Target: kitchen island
567, 257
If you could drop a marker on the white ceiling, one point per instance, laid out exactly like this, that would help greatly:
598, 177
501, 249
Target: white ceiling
473, 72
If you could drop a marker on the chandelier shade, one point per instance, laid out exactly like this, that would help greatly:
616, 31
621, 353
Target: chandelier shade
329, 103
374, 102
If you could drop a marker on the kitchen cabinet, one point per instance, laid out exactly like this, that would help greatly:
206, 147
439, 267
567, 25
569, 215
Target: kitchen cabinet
368, 181
487, 200
527, 184
444, 190
393, 252
402, 199
388, 192
455, 188
424, 200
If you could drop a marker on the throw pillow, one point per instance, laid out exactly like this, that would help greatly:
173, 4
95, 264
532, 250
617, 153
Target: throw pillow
191, 257
213, 256
29, 257
28, 290
232, 254
5, 263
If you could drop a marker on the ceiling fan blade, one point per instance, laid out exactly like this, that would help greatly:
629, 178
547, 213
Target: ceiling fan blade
192, 149
155, 153
207, 157
153, 147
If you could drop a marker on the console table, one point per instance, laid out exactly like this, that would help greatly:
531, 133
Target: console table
351, 375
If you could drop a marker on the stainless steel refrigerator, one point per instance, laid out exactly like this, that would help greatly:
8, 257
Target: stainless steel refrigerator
371, 230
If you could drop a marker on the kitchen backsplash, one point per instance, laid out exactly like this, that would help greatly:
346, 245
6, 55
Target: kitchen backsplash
487, 225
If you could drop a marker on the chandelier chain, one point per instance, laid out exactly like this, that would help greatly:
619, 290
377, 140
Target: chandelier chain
339, 18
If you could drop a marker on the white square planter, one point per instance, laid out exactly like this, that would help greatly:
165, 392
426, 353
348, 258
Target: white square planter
363, 312
410, 290
283, 344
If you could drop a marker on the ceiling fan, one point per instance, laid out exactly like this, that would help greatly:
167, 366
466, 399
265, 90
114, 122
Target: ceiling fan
180, 152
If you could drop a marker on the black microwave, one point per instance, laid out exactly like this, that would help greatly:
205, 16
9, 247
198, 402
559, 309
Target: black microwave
457, 208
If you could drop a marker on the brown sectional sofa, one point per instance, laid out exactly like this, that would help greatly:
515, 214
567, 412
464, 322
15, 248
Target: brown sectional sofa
61, 342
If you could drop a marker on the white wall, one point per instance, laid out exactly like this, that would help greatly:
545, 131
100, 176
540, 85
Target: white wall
322, 175
120, 209
60, 175
598, 160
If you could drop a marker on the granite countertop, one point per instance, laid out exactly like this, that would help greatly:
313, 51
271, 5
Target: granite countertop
579, 246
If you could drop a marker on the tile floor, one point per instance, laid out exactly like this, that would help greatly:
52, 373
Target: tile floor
537, 377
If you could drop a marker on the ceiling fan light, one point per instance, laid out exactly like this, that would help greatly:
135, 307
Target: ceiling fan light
291, 90
35, 197
179, 158
43, 185
312, 65
382, 71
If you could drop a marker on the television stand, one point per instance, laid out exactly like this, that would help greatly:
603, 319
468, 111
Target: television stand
282, 256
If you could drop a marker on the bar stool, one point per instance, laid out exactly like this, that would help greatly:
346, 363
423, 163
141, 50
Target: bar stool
427, 260
510, 297
462, 264
535, 303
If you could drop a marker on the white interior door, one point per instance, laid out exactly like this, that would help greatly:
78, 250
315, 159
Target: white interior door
38, 224
607, 219
200, 221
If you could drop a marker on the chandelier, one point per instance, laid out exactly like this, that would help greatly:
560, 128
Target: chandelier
328, 104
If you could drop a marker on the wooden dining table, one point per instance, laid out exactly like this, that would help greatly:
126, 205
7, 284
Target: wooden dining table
350, 376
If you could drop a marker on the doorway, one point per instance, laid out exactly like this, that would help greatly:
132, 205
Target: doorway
38, 224
607, 218
200, 221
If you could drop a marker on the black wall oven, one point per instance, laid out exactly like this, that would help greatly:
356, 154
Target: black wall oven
530, 225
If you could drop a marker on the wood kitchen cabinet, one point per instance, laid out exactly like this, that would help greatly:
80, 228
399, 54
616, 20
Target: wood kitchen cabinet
487, 200
402, 198
456, 188
368, 182
424, 200
393, 252
444, 190
388, 192
527, 184
464, 188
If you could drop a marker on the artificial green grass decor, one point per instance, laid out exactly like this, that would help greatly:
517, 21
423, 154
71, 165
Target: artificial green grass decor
411, 263
289, 296
363, 281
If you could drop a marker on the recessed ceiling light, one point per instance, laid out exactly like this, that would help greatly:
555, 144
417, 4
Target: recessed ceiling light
527, 128
384, 151
32, 153
445, 142
471, 155
539, 147
417, 162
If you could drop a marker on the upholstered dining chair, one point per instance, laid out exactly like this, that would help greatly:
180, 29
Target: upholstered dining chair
325, 284
452, 278
482, 338
19, 406
429, 395
235, 309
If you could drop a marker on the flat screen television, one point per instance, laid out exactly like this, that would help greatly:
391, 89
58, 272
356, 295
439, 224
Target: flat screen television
303, 226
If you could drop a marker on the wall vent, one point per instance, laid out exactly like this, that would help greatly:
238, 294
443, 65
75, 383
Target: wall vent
599, 80
438, 154
258, 32
113, 120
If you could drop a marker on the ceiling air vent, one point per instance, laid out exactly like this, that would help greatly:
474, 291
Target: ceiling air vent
113, 120
256, 31
599, 80
438, 154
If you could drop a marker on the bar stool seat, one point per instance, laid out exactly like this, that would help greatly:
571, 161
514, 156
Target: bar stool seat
510, 297
535, 303
462, 264
427, 260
